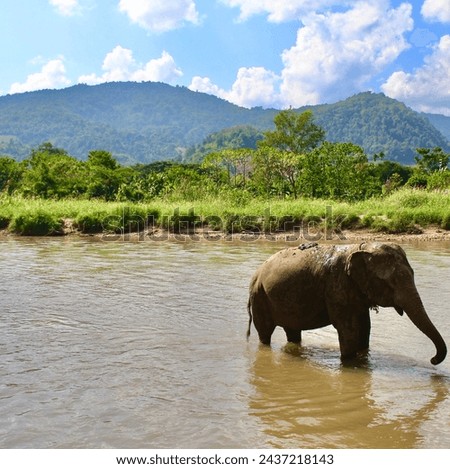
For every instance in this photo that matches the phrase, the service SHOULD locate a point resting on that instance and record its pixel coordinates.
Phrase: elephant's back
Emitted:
(289, 265)
(292, 283)
(292, 258)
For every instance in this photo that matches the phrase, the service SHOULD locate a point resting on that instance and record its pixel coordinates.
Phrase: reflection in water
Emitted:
(142, 345)
(305, 404)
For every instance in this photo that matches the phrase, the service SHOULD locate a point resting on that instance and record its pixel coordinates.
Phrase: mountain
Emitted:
(379, 124)
(442, 123)
(145, 122)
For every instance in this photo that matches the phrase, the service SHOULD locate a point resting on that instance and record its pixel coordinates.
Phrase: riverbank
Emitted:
(289, 238)
(406, 214)
(206, 235)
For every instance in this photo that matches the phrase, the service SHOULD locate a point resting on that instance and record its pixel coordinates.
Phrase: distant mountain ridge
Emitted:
(145, 122)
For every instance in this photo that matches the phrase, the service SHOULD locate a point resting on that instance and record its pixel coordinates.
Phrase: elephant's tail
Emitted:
(250, 317)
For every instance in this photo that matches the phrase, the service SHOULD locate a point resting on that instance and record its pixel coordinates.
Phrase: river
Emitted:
(142, 345)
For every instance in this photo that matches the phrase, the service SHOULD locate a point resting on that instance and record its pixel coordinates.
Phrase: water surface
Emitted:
(142, 345)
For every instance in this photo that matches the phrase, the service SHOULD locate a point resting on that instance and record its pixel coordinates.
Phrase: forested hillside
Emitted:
(442, 123)
(378, 124)
(145, 122)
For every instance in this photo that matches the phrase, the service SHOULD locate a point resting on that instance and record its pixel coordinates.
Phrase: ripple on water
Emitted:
(143, 345)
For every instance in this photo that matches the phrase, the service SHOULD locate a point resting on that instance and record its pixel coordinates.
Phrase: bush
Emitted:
(439, 180)
(117, 219)
(399, 223)
(445, 224)
(36, 223)
(4, 221)
(91, 222)
(413, 199)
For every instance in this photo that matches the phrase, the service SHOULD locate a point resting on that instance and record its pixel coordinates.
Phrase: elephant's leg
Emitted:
(348, 344)
(364, 331)
(293, 335)
(265, 330)
(354, 333)
(262, 319)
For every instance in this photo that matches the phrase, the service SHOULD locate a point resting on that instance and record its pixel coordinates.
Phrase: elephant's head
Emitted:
(384, 276)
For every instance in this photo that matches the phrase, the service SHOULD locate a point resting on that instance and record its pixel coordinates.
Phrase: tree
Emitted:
(266, 176)
(50, 172)
(234, 163)
(294, 132)
(338, 170)
(10, 174)
(103, 159)
(432, 159)
(106, 176)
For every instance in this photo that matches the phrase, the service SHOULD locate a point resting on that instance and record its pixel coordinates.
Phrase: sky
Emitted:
(269, 53)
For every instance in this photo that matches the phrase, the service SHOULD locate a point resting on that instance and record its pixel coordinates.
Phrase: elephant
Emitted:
(312, 286)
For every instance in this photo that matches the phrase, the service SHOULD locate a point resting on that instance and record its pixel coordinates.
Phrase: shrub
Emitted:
(36, 223)
(4, 221)
(116, 219)
(445, 223)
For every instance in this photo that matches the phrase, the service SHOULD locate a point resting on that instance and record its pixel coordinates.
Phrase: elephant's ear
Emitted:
(357, 268)
(369, 271)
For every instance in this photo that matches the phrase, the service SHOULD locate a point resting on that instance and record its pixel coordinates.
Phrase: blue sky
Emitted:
(270, 53)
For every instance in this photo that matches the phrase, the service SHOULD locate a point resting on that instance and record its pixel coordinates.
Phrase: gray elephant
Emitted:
(313, 286)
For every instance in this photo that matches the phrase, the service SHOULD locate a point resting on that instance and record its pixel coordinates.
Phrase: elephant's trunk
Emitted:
(415, 310)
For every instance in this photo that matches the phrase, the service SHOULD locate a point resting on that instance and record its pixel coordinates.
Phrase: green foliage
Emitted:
(144, 122)
(36, 223)
(100, 194)
(51, 172)
(405, 210)
(432, 159)
(106, 176)
(379, 124)
(440, 122)
(439, 180)
(232, 138)
(336, 170)
(10, 174)
(294, 133)
(116, 218)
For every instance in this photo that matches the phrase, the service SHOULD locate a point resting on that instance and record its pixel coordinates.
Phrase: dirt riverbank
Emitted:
(430, 234)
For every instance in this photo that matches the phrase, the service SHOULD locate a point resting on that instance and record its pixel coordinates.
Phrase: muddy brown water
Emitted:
(142, 345)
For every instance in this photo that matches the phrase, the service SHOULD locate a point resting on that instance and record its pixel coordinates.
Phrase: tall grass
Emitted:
(406, 210)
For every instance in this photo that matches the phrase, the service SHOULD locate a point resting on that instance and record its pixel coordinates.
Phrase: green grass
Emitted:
(406, 210)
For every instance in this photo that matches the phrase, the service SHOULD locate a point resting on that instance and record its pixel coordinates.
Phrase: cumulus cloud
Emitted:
(436, 10)
(205, 85)
(254, 86)
(51, 76)
(427, 88)
(336, 53)
(160, 15)
(281, 10)
(120, 65)
(65, 7)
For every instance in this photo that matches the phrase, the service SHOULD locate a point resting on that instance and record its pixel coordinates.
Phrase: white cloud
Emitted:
(163, 69)
(436, 10)
(281, 10)
(337, 53)
(120, 65)
(65, 7)
(254, 86)
(160, 15)
(205, 85)
(427, 88)
(51, 76)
